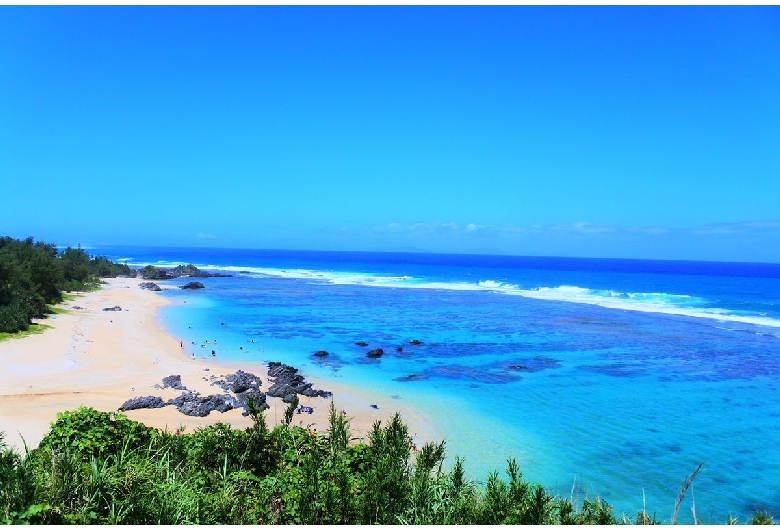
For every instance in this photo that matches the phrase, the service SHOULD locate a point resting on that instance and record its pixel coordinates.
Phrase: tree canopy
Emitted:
(34, 274)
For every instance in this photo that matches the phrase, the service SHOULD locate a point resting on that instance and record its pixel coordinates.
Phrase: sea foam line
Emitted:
(661, 303)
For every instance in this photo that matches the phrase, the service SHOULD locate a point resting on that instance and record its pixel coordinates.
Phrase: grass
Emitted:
(34, 329)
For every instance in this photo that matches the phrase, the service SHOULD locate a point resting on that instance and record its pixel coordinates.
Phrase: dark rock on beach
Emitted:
(375, 353)
(246, 387)
(238, 382)
(151, 286)
(321, 353)
(191, 404)
(361, 343)
(257, 398)
(287, 381)
(115, 308)
(240, 388)
(183, 398)
(193, 285)
(145, 402)
(173, 381)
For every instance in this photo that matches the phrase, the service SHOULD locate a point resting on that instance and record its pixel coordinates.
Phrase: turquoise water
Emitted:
(602, 377)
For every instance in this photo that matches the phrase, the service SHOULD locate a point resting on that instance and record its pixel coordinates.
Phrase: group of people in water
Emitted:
(207, 342)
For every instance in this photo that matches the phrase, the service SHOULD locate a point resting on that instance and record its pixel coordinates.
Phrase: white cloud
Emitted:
(204, 235)
(582, 227)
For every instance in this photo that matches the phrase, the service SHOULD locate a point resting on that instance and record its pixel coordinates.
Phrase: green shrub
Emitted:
(89, 432)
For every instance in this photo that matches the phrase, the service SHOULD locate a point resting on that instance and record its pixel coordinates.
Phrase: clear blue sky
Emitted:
(648, 132)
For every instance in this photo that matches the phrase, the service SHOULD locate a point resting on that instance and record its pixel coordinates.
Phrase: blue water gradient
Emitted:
(603, 377)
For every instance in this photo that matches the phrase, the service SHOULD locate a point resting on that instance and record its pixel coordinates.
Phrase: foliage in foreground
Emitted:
(102, 468)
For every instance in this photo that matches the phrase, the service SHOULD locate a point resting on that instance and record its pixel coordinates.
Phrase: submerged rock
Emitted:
(375, 353)
(519, 367)
(321, 353)
(411, 377)
(415, 342)
(361, 343)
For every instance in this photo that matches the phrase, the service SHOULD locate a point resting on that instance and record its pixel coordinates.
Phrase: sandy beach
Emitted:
(102, 358)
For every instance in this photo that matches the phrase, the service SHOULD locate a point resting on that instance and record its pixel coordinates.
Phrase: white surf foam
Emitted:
(653, 302)
(670, 304)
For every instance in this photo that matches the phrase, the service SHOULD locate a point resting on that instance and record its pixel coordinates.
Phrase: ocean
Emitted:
(602, 377)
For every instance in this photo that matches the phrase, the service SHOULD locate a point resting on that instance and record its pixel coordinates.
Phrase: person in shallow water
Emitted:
(213, 353)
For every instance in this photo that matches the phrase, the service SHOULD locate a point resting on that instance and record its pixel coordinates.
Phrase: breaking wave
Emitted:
(662, 303)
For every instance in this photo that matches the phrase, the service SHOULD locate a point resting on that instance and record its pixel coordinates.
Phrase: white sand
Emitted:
(101, 358)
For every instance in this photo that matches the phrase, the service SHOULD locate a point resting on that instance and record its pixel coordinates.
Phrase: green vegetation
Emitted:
(100, 468)
(34, 329)
(33, 275)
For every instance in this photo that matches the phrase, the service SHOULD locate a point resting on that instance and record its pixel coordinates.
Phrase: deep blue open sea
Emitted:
(602, 376)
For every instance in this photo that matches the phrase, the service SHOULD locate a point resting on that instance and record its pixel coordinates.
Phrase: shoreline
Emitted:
(100, 359)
